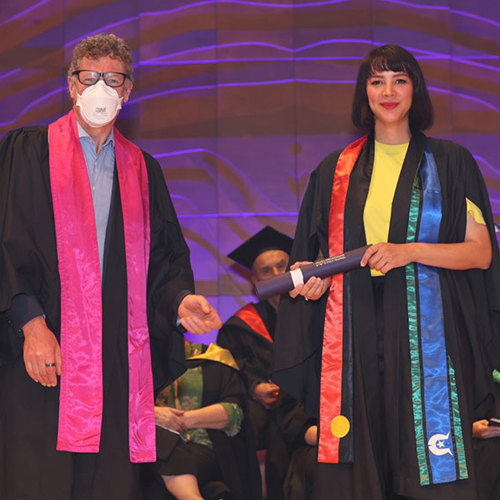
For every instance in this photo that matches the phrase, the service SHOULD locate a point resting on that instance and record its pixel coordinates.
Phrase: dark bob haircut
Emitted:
(392, 58)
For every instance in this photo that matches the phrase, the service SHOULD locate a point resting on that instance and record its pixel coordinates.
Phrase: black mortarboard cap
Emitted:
(266, 239)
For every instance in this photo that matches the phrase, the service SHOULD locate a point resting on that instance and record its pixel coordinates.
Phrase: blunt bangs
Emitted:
(383, 63)
(399, 60)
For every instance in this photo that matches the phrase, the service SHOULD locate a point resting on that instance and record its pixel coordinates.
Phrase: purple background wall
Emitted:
(240, 100)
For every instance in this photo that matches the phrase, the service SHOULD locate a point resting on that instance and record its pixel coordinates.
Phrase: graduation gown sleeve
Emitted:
(169, 269)
(170, 278)
(476, 291)
(299, 330)
(28, 255)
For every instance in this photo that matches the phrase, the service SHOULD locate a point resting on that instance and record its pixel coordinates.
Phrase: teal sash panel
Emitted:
(457, 424)
(414, 339)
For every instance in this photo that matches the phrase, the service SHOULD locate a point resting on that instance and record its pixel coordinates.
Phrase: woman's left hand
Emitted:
(386, 256)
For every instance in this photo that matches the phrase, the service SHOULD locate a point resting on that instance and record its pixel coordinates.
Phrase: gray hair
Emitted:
(96, 46)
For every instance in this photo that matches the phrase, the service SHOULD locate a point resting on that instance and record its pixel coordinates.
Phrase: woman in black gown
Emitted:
(391, 356)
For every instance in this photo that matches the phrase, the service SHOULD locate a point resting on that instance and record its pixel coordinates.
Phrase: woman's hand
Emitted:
(313, 289)
(386, 256)
(473, 253)
(170, 418)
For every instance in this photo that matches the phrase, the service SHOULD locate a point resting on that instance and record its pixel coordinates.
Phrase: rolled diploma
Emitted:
(321, 268)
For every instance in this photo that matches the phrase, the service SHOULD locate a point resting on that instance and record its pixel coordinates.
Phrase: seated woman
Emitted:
(203, 448)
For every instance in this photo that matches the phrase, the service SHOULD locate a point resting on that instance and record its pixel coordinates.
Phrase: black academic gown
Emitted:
(487, 458)
(253, 353)
(384, 440)
(28, 264)
(293, 422)
(242, 474)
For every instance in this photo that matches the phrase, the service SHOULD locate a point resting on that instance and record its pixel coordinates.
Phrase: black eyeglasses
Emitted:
(89, 77)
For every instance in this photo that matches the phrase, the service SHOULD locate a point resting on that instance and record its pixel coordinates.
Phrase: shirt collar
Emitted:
(82, 133)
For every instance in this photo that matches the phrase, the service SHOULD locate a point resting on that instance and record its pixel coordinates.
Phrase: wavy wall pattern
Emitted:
(239, 100)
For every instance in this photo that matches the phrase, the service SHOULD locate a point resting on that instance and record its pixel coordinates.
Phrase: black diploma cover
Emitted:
(322, 268)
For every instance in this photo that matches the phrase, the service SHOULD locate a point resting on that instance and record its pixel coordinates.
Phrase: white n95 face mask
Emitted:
(99, 104)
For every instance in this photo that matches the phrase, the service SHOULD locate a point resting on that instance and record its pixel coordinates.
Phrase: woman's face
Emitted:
(390, 96)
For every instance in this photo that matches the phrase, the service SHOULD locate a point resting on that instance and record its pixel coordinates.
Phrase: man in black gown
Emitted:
(134, 264)
(249, 336)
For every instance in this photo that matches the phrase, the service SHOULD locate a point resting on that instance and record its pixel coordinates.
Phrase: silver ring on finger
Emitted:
(50, 365)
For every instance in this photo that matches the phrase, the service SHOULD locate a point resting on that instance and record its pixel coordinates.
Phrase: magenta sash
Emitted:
(81, 395)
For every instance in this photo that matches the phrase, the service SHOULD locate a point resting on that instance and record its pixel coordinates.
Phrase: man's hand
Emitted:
(42, 354)
(481, 429)
(266, 393)
(170, 418)
(197, 315)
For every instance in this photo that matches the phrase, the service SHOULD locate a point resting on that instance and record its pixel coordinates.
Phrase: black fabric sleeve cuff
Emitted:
(254, 384)
(23, 309)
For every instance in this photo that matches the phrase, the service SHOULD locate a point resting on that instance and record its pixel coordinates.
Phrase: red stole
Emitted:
(81, 395)
(332, 424)
(250, 316)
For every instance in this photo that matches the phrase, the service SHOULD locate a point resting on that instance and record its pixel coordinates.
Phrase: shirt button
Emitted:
(93, 188)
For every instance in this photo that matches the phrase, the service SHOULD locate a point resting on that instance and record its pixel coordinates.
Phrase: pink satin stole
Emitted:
(81, 396)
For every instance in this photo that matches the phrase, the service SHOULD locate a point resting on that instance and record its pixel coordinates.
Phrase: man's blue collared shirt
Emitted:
(100, 168)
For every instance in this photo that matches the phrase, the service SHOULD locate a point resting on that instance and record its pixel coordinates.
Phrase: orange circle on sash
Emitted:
(340, 426)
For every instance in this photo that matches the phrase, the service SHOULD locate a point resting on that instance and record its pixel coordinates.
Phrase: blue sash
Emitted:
(438, 429)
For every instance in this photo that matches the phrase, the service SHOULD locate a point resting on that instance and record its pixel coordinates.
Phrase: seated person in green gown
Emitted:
(202, 444)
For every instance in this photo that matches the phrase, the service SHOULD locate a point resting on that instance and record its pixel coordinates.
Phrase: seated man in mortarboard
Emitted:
(248, 334)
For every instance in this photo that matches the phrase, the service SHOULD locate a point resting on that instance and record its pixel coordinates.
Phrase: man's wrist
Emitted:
(23, 309)
(177, 302)
(32, 326)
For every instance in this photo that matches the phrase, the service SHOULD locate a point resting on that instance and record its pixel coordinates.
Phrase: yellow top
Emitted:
(387, 166)
(475, 212)
(386, 169)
